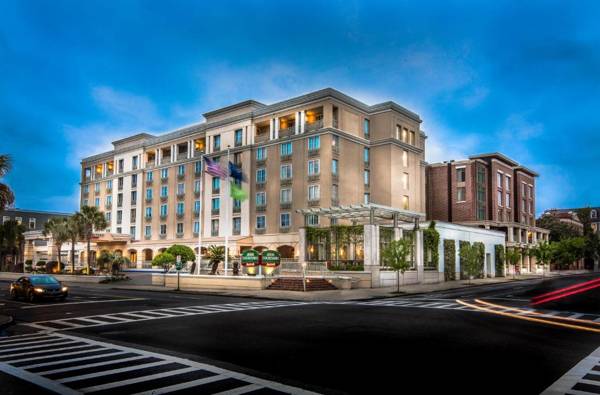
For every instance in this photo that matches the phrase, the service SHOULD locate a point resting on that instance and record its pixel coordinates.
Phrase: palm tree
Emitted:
(11, 240)
(90, 219)
(75, 232)
(58, 229)
(6, 195)
(215, 255)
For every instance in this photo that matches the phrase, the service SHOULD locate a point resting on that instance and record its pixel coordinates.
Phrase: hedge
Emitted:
(449, 260)
(499, 251)
(461, 246)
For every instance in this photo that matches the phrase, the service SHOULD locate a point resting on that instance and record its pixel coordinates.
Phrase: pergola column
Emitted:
(419, 255)
(302, 246)
(371, 260)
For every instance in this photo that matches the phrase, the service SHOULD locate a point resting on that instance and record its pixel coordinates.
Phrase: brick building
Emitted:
(490, 191)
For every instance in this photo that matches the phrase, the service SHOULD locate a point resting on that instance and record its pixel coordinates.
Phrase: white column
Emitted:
(302, 246)
(271, 129)
(419, 255)
(276, 127)
(302, 121)
(190, 150)
(297, 123)
(510, 234)
(156, 157)
(371, 253)
(252, 133)
(441, 260)
(457, 258)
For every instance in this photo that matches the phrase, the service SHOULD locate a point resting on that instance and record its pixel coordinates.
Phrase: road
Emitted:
(122, 341)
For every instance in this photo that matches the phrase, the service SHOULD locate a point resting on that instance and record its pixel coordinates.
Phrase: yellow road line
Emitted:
(521, 317)
(539, 314)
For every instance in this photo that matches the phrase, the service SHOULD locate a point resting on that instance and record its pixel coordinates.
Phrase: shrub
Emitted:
(51, 266)
(40, 267)
(499, 251)
(164, 260)
(449, 260)
(462, 248)
(186, 253)
(480, 257)
(28, 265)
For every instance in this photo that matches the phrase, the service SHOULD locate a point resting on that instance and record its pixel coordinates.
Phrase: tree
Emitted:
(6, 195)
(11, 240)
(471, 259)
(57, 228)
(567, 251)
(592, 241)
(215, 255)
(543, 255)
(75, 231)
(90, 219)
(164, 260)
(186, 253)
(558, 229)
(513, 256)
(397, 256)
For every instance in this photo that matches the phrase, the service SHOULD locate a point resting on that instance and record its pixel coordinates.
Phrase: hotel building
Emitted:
(321, 149)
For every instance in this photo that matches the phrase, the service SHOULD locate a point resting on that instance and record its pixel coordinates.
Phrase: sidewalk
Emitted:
(344, 295)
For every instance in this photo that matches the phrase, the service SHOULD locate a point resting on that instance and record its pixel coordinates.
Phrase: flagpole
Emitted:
(227, 216)
(200, 212)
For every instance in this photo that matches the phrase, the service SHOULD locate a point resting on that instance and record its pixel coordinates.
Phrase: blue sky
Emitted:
(522, 79)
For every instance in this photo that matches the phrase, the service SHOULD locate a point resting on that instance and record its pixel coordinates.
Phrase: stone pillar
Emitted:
(419, 255)
(276, 128)
(457, 258)
(302, 245)
(371, 260)
(271, 129)
(398, 233)
(297, 122)
(441, 262)
(510, 234)
(190, 150)
(302, 121)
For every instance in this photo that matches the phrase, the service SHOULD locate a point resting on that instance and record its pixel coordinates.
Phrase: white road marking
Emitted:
(38, 306)
(39, 380)
(189, 384)
(90, 365)
(566, 383)
(39, 365)
(240, 390)
(112, 371)
(63, 354)
(136, 380)
(45, 343)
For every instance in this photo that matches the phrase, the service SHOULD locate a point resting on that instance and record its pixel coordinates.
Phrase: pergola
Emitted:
(370, 213)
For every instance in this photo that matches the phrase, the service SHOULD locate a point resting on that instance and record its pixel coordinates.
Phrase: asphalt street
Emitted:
(135, 341)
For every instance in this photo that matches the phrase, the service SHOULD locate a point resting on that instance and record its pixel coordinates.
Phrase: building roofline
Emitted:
(232, 107)
(134, 137)
(36, 211)
(527, 170)
(496, 155)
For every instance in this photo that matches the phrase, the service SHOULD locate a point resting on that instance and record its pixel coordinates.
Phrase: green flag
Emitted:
(237, 192)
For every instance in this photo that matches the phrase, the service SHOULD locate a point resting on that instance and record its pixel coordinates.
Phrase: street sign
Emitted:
(250, 258)
(271, 258)
(178, 263)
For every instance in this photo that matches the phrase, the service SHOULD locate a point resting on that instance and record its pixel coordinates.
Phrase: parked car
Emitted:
(38, 286)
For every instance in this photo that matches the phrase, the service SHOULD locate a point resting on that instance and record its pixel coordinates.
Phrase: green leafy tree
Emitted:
(164, 260)
(543, 253)
(591, 251)
(397, 255)
(215, 255)
(567, 251)
(6, 195)
(513, 256)
(186, 253)
(58, 229)
(558, 230)
(11, 241)
(90, 219)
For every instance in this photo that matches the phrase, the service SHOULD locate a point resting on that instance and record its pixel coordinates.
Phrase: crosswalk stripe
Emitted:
(113, 371)
(45, 339)
(58, 342)
(240, 390)
(137, 380)
(54, 355)
(189, 384)
(89, 365)
(39, 365)
(20, 338)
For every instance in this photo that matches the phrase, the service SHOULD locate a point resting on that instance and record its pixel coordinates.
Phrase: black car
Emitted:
(35, 287)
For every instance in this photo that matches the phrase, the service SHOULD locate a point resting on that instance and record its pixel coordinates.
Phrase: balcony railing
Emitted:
(215, 211)
(259, 231)
(237, 209)
(182, 156)
(196, 193)
(314, 177)
(108, 206)
(285, 182)
(198, 153)
(180, 195)
(216, 191)
(148, 218)
(313, 152)
(285, 205)
(108, 190)
(314, 202)
(285, 157)
(287, 131)
(180, 176)
(165, 160)
(163, 216)
(261, 208)
(148, 199)
(180, 214)
(164, 198)
(308, 127)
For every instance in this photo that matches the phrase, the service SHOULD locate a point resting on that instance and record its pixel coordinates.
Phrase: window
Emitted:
(149, 194)
(334, 192)
(149, 176)
(405, 158)
(312, 219)
(215, 204)
(405, 203)
(314, 143)
(133, 197)
(313, 167)
(196, 227)
(461, 194)
(529, 207)
(499, 198)
(163, 229)
(180, 208)
(119, 217)
(179, 228)
(119, 230)
(5, 219)
(237, 225)
(367, 177)
(405, 135)
(261, 153)
(507, 200)
(285, 172)
(334, 167)
(148, 212)
(109, 184)
(314, 192)
(507, 183)
(198, 167)
(285, 149)
(216, 184)
(398, 129)
(164, 173)
(237, 205)
(261, 176)
(163, 210)
(119, 200)
(180, 189)
(261, 199)
(134, 162)
(238, 137)
(181, 170)
(108, 216)
(97, 202)
(216, 142)
(285, 195)
(367, 198)
(148, 231)
(164, 191)
(593, 214)
(132, 232)
(85, 202)
(461, 175)
(109, 200)
(197, 206)
(366, 128)
(260, 222)
(134, 180)
(284, 220)
(530, 191)
(405, 180)
(31, 223)
(120, 183)
(499, 180)
(413, 138)
(96, 187)
(197, 186)
(214, 227)
(121, 165)
(523, 189)
(366, 155)
(335, 143)
(86, 188)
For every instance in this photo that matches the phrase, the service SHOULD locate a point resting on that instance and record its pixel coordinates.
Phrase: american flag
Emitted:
(214, 169)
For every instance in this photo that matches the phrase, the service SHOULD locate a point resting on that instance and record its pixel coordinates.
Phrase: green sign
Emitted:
(178, 263)
(271, 258)
(250, 258)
